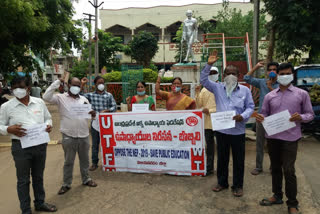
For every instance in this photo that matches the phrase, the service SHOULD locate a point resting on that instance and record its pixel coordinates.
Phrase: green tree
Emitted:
(144, 47)
(34, 26)
(297, 27)
(109, 46)
(79, 69)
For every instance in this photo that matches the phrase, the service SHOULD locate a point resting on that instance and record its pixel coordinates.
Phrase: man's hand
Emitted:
(213, 57)
(105, 111)
(93, 114)
(269, 85)
(296, 117)
(16, 130)
(84, 80)
(259, 65)
(205, 111)
(198, 88)
(49, 128)
(238, 118)
(259, 118)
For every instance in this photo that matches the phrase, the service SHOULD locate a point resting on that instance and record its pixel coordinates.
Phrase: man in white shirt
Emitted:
(75, 131)
(15, 115)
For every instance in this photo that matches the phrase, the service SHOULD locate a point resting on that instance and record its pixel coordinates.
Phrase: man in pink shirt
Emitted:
(283, 146)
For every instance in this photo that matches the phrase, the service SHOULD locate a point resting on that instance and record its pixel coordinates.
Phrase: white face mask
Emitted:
(20, 93)
(74, 90)
(285, 79)
(230, 82)
(100, 87)
(214, 77)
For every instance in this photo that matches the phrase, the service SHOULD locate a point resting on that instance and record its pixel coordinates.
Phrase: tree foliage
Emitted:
(34, 26)
(109, 46)
(297, 27)
(144, 47)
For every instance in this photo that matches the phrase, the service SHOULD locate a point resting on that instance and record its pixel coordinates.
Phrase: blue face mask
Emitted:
(272, 75)
(141, 93)
(178, 89)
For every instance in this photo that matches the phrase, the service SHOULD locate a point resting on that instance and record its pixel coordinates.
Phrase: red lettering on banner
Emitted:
(197, 160)
(107, 142)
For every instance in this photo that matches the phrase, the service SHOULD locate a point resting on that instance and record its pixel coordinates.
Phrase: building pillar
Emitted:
(132, 33)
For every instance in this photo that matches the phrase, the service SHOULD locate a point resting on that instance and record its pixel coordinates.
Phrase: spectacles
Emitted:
(273, 69)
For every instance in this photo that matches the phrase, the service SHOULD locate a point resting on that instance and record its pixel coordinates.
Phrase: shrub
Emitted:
(166, 79)
(114, 76)
(149, 75)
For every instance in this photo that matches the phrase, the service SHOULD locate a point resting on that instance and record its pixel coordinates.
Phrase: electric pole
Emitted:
(96, 51)
(90, 49)
(256, 14)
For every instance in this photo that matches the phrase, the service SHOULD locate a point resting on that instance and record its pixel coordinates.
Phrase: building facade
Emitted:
(163, 22)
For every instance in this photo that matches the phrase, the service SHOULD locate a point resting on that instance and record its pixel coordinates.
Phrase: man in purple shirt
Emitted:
(283, 146)
(230, 96)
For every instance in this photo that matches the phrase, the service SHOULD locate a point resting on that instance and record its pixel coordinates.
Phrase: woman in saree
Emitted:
(141, 97)
(175, 100)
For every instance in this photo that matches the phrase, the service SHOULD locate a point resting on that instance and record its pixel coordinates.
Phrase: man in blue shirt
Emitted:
(101, 101)
(230, 96)
(265, 86)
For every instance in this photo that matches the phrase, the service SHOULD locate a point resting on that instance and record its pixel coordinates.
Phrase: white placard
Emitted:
(223, 120)
(81, 110)
(36, 135)
(140, 107)
(95, 123)
(277, 123)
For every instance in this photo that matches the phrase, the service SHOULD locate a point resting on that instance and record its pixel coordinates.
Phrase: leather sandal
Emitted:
(218, 188)
(63, 190)
(91, 183)
(268, 202)
(45, 207)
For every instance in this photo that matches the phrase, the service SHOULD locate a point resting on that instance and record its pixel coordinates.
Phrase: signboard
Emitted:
(170, 142)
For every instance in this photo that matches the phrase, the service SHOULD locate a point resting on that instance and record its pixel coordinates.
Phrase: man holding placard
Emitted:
(282, 112)
(234, 107)
(28, 121)
(74, 111)
(102, 101)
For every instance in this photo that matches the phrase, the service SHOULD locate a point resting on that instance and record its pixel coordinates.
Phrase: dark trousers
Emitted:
(283, 156)
(29, 160)
(237, 144)
(95, 146)
(209, 135)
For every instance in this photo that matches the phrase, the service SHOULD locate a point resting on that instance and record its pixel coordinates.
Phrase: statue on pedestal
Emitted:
(190, 33)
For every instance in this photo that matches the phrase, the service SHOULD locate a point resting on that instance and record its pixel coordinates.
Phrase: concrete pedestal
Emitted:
(188, 72)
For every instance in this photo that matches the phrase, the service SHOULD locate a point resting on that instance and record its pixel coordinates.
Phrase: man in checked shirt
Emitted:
(101, 101)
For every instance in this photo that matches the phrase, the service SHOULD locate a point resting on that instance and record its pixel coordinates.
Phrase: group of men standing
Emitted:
(24, 110)
(277, 94)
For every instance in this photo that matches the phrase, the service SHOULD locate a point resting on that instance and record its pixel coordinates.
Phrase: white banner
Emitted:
(169, 142)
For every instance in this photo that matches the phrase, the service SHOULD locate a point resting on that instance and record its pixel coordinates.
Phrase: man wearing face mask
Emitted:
(206, 100)
(101, 101)
(265, 86)
(283, 146)
(15, 115)
(230, 96)
(75, 132)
